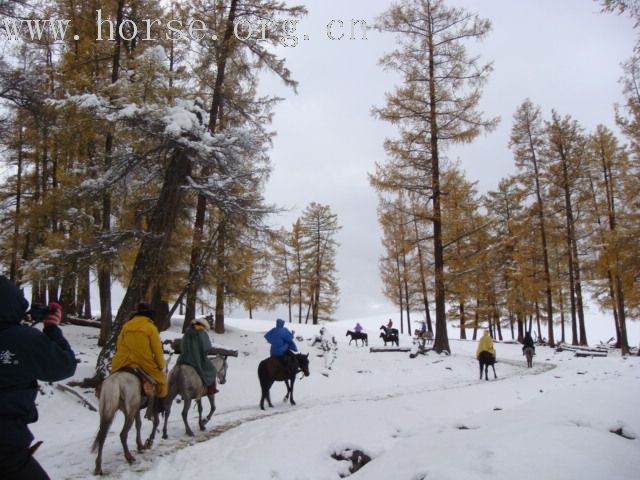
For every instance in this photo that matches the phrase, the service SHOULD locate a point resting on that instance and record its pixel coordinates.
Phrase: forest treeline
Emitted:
(145, 162)
(524, 257)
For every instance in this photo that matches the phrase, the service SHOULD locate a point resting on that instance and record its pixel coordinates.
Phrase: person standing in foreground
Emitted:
(26, 356)
(282, 345)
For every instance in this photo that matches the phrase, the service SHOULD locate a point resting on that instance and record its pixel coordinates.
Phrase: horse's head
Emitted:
(347, 334)
(303, 363)
(220, 364)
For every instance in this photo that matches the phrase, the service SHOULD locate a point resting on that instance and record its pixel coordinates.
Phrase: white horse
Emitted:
(185, 381)
(122, 391)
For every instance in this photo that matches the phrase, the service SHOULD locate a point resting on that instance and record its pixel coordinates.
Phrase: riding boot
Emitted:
(292, 364)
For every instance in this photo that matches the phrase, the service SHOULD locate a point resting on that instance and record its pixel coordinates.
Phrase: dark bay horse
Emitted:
(358, 336)
(272, 369)
(122, 391)
(185, 381)
(486, 359)
(389, 335)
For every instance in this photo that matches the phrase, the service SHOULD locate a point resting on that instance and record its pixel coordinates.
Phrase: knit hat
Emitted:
(200, 321)
(144, 309)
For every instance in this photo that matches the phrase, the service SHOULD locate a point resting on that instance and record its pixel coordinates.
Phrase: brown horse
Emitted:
(272, 369)
(486, 359)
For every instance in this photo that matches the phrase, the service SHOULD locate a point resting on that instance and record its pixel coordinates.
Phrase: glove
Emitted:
(54, 316)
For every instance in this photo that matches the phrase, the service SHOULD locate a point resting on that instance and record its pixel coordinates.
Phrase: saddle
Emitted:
(147, 382)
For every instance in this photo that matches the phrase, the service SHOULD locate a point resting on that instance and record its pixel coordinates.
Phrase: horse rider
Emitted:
(528, 342)
(390, 324)
(282, 345)
(26, 356)
(486, 345)
(357, 328)
(139, 346)
(194, 348)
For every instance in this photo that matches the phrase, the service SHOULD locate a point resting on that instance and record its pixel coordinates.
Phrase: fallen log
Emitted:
(390, 349)
(586, 353)
(176, 342)
(82, 322)
(84, 400)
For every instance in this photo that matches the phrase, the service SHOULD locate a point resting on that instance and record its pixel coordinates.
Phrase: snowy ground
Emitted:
(423, 418)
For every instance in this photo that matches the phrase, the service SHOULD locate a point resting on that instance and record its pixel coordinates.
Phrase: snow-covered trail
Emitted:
(249, 416)
(413, 417)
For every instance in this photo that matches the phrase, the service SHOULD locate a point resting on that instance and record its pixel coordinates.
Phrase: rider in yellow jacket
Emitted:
(139, 346)
(486, 345)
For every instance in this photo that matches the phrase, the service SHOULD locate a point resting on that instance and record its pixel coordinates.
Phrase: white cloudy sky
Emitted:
(564, 55)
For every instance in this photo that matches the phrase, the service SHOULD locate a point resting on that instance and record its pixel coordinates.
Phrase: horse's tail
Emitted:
(109, 402)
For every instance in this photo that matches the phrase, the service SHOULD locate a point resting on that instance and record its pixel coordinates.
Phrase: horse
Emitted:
(273, 369)
(390, 337)
(426, 335)
(389, 331)
(358, 336)
(528, 353)
(185, 381)
(122, 391)
(484, 360)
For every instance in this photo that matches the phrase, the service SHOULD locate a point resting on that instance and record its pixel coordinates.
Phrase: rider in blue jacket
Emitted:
(282, 344)
(26, 355)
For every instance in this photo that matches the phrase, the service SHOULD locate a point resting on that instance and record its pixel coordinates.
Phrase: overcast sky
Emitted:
(564, 55)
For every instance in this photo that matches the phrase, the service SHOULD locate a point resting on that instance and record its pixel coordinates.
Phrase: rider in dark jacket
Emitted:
(527, 341)
(26, 355)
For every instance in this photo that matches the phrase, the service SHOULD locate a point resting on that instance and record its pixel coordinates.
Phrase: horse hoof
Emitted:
(165, 436)
(130, 459)
(190, 433)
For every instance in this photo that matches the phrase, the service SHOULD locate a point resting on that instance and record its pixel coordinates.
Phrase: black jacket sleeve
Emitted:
(54, 360)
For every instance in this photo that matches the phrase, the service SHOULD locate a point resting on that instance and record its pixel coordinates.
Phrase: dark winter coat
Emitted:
(26, 356)
(281, 339)
(527, 341)
(194, 348)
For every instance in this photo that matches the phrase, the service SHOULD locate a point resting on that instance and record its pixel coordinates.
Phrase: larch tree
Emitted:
(319, 227)
(527, 142)
(566, 152)
(437, 103)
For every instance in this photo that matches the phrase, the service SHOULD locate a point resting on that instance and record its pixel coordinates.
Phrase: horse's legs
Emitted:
(292, 379)
(167, 411)
(138, 421)
(128, 422)
(266, 395)
(286, 397)
(185, 412)
(494, 370)
(212, 404)
(200, 422)
(156, 421)
(480, 363)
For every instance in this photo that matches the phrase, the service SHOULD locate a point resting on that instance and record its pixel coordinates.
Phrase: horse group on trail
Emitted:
(389, 334)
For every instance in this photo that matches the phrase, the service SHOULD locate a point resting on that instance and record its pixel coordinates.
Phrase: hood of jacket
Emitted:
(14, 305)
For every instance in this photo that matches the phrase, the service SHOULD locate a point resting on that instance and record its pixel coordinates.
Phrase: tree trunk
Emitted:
(148, 265)
(198, 227)
(441, 341)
